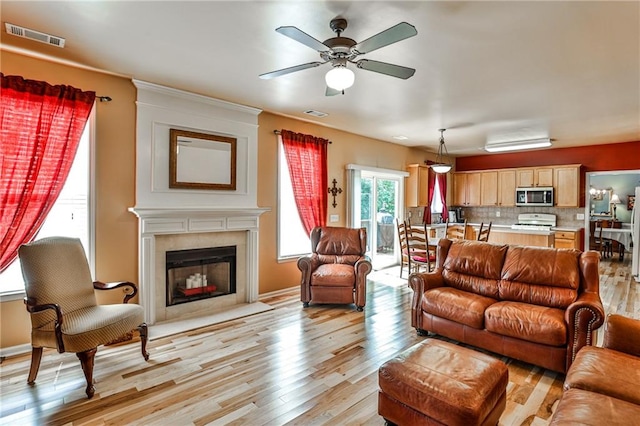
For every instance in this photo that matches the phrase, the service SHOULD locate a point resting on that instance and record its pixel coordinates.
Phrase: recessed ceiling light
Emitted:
(316, 113)
(400, 138)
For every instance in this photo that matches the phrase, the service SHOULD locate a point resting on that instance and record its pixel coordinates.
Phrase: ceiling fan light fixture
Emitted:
(517, 145)
(340, 78)
(443, 162)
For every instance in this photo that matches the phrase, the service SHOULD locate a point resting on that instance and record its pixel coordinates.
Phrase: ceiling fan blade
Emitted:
(278, 73)
(385, 68)
(332, 92)
(389, 36)
(302, 37)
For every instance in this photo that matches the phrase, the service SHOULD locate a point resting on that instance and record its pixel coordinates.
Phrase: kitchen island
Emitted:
(503, 234)
(568, 237)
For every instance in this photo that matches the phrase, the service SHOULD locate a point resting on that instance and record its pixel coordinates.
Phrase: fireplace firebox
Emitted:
(198, 274)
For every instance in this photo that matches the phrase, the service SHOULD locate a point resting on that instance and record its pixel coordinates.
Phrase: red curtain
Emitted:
(431, 185)
(442, 183)
(307, 159)
(441, 178)
(40, 127)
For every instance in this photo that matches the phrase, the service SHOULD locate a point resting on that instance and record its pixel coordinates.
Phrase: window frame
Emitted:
(10, 295)
(284, 168)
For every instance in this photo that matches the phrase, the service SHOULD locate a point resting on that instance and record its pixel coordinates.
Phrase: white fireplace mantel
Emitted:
(192, 220)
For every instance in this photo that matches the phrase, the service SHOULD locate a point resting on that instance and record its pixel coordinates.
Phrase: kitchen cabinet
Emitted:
(567, 239)
(531, 177)
(506, 188)
(489, 188)
(417, 185)
(466, 189)
(567, 188)
(498, 188)
(508, 236)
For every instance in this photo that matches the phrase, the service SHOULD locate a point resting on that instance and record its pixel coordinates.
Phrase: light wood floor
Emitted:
(287, 366)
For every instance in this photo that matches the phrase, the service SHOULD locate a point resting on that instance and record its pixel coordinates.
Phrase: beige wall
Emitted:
(346, 148)
(116, 228)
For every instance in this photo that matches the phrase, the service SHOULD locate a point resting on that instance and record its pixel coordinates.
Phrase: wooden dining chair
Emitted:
(456, 231)
(596, 242)
(404, 246)
(614, 246)
(420, 255)
(483, 233)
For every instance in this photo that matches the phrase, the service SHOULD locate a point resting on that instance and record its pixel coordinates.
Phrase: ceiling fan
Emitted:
(342, 50)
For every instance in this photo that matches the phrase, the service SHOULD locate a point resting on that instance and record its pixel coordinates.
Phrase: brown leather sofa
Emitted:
(337, 269)
(536, 304)
(602, 386)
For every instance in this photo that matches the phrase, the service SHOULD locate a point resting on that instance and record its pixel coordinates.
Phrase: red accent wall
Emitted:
(594, 158)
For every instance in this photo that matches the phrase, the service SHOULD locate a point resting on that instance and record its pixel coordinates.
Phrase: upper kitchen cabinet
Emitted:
(531, 177)
(567, 188)
(498, 188)
(489, 188)
(507, 188)
(417, 185)
(466, 189)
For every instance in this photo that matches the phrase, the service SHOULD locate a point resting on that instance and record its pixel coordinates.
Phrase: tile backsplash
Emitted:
(565, 217)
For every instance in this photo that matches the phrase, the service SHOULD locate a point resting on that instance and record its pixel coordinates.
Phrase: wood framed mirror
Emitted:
(201, 161)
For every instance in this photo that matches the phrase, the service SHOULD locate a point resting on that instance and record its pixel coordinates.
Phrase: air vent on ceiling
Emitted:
(316, 113)
(34, 35)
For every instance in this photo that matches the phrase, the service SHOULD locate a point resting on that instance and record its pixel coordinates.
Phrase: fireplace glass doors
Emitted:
(200, 274)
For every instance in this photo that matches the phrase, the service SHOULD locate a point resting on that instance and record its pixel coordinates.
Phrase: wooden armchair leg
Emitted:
(36, 356)
(144, 336)
(86, 361)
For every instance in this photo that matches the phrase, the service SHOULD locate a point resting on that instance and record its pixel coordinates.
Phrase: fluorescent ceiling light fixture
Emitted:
(340, 78)
(517, 145)
(400, 138)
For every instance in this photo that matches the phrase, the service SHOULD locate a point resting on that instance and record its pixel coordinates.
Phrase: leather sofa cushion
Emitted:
(474, 266)
(533, 323)
(540, 276)
(456, 305)
(447, 383)
(334, 275)
(607, 372)
(579, 407)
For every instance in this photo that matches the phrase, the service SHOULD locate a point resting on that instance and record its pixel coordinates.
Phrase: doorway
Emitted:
(374, 204)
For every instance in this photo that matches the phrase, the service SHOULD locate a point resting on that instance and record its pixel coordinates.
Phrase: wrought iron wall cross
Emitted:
(334, 191)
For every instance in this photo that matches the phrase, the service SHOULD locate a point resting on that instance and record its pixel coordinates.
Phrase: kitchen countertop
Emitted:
(507, 228)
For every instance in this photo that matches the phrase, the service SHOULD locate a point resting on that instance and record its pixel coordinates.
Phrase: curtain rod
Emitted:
(278, 132)
(104, 98)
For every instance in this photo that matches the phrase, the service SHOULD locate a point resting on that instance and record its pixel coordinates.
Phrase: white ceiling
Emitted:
(565, 70)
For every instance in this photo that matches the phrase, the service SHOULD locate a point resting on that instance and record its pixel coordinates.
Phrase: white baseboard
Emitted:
(15, 350)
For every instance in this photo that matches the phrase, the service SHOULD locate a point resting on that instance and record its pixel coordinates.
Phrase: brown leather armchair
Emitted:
(336, 271)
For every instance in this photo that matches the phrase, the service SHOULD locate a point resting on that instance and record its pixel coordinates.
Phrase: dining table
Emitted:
(621, 235)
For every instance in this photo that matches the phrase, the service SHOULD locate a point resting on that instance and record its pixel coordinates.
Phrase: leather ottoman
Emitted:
(439, 383)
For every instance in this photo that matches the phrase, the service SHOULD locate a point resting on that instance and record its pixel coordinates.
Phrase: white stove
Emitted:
(535, 221)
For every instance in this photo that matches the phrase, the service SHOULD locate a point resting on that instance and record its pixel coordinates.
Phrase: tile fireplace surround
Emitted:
(180, 218)
(162, 230)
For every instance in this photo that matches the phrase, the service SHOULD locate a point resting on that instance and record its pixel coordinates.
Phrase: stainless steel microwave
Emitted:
(540, 196)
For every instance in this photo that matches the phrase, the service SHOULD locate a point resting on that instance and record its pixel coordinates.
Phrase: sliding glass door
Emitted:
(375, 204)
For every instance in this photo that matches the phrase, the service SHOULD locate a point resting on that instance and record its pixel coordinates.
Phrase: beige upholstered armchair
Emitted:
(336, 271)
(63, 308)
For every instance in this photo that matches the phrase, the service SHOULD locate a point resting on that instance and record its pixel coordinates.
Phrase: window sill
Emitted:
(8, 296)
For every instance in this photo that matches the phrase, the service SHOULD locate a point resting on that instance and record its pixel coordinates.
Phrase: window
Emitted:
(292, 239)
(70, 215)
(436, 201)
